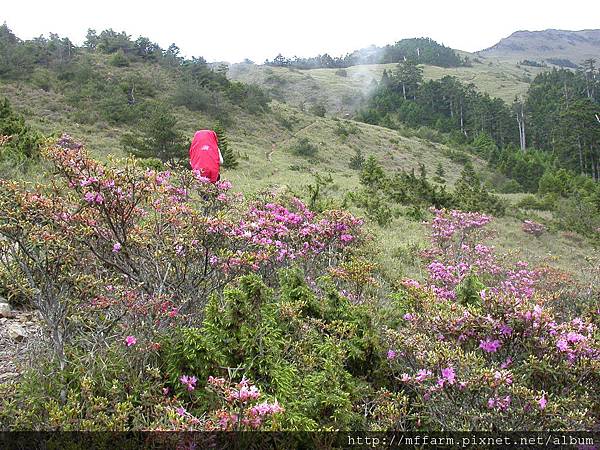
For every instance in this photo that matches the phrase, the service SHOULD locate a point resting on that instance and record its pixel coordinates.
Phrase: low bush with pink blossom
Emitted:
(171, 303)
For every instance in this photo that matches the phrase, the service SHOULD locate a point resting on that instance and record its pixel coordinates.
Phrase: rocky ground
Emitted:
(19, 332)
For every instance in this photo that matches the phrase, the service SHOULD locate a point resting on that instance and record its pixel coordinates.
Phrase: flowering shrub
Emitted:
(154, 284)
(506, 361)
(116, 257)
(489, 368)
(241, 409)
(156, 244)
(357, 274)
(458, 252)
(533, 228)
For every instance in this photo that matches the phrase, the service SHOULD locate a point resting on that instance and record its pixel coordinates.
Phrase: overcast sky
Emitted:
(231, 30)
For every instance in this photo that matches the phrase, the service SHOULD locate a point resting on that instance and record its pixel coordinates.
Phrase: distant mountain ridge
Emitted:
(547, 45)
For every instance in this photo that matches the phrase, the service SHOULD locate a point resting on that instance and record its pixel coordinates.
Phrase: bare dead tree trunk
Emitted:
(580, 155)
(404, 90)
(521, 123)
(131, 98)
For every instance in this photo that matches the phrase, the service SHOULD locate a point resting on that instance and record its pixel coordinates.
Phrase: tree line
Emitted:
(547, 143)
(418, 50)
(56, 64)
(559, 116)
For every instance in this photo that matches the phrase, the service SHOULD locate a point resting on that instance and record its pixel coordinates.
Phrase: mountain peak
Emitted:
(546, 45)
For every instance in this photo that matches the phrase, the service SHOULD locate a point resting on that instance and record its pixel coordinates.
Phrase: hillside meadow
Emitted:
(340, 276)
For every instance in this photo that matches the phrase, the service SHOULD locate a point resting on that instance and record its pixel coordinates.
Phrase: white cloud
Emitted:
(236, 29)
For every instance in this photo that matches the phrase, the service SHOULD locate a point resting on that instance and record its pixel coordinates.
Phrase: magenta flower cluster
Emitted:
(457, 252)
(240, 410)
(189, 382)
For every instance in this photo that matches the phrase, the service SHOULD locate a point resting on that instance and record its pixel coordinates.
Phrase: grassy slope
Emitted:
(342, 94)
(264, 142)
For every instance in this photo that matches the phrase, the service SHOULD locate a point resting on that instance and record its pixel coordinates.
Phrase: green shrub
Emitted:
(471, 195)
(193, 97)
(545, 203)
(372, 174)
(318, 109)
(99, 391)
(158, 137)
(308, 351)
(303, 147)
(319, 193)
(19, 143)
(357, 160)
(119, 59)
(511, 187)
(229, 156)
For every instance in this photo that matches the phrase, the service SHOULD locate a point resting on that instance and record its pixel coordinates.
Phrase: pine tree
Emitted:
(372, 174)
(471, 195)
(357, 161)
(229, 157)
(439, 173)
(159, 138)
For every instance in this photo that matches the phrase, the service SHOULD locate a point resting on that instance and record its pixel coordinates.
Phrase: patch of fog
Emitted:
(364, 77)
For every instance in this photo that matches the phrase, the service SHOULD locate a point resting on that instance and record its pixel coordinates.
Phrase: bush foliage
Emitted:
(172, 304)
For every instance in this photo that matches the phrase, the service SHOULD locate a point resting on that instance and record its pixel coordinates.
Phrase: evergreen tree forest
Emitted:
(557, 125)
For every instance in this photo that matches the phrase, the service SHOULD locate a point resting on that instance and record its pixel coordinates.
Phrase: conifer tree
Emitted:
(229, 157)
(372, 174)
(439, 173)
(159, 138)
(357, 161)
(471, 195)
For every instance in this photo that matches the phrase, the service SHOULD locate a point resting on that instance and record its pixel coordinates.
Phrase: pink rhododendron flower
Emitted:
(248, 393)
(506, 363)
(130, 340)
(448, 375)
(422, 375)
(409, 283)
(562, 345)
(543, 401)
(490, 346)
(116, 247)
(189, 382)
(224, 185)
(391, 354)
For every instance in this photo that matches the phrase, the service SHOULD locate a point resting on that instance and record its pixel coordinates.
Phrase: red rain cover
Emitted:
(204, 154)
